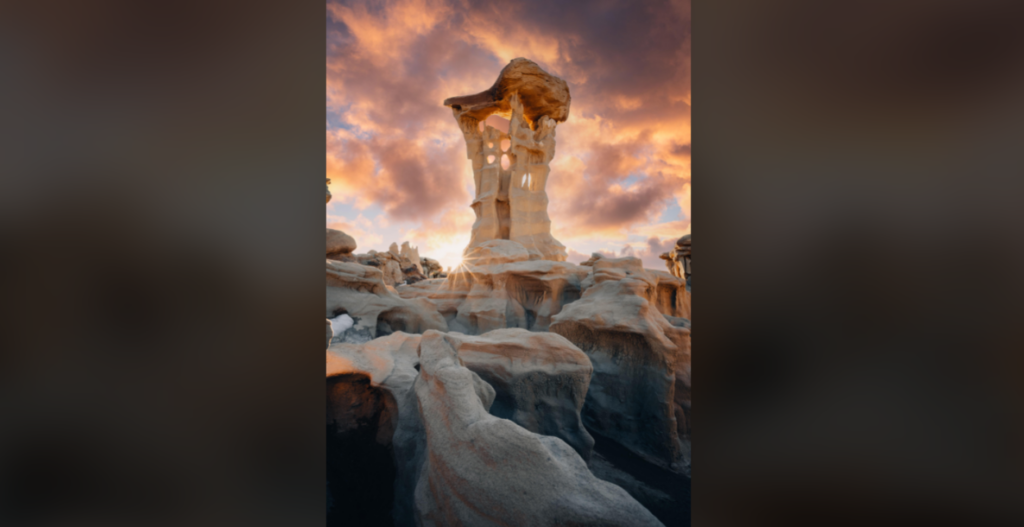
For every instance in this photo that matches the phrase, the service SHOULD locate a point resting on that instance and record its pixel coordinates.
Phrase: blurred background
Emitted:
(859, 174)
(160, 175)
(858, 356)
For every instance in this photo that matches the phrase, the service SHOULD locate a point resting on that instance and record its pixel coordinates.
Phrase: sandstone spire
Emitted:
(512, 203)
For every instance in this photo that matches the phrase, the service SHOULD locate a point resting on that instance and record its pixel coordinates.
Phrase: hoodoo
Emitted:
(511, 168)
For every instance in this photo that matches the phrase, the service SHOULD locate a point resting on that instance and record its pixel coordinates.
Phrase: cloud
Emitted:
(623, 157)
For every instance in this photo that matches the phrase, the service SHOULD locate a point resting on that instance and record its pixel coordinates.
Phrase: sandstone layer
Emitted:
(639, 393)
(360, 292)
(485, 471)
(510, 169)
(499, 286)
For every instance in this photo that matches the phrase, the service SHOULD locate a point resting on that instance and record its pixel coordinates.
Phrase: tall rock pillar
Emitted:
(512, 203)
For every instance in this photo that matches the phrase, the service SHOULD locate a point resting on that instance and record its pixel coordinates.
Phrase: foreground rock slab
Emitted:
(485, 471)
(540, 380)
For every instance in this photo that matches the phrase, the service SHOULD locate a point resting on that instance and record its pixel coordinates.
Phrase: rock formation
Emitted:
(639, 394)
(540, 380)
(537, 380)
(339, 245)
(499, 286)
(678, 260)
(397, 266)
(510, 170)
(432, 268)
(487, 471)
(359, 291)
(412, 255)
(518, 388)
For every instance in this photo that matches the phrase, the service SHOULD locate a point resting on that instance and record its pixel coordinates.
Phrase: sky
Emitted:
(620, 178)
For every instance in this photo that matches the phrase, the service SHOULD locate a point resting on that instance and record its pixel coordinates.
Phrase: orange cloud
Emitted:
(623, 157)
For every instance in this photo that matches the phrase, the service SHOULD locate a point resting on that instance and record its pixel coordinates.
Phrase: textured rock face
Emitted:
(432, 268)
(540, 380)
(510, 170)
(390, 364)
(640, 387)
(542, 93)
(412, 255)
(339, 245)
(360, 292)
(499, 287)
(486, 471)
(678, 260)
(398, 266)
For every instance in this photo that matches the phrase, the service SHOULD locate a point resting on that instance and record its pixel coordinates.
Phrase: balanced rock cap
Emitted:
(540, 92)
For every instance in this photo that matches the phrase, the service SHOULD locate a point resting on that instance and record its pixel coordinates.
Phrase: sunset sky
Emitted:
(620, 179)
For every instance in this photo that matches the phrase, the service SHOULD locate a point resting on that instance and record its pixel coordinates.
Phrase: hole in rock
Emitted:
(505, 162)
(360, 468)
(481, 126)
(505, 144)
(490, 160)
(490, 145)
(384, 328)
(498, 123)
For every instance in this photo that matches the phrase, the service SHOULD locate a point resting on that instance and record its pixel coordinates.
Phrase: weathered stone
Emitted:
(639, 394)
(360, 292)
(390, 364)
(339, 244)
(485, 471)
(499, 287)
(540, 380)
(412, 255)
(511, 200)
(678, 260)
(542, 93)
(432, 268)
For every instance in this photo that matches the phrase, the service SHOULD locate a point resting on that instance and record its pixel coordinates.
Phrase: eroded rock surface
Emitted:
(499, 286)
(485, 471)
(339, 245)
(639, 394)
(542, 93)
(360, 292)
(510, 170)
(389, 363)
(678, 259)
(540, 380)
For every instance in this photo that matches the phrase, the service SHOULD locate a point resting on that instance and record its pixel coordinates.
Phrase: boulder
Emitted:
(431, 268)
(541, 93)
(339, 244)
(485, 471)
